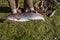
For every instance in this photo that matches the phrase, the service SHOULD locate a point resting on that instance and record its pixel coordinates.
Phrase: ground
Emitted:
(32, 30)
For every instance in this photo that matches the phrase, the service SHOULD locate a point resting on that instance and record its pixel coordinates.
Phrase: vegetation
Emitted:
(32, 30)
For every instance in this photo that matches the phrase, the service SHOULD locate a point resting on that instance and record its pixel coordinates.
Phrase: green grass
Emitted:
(32, 30)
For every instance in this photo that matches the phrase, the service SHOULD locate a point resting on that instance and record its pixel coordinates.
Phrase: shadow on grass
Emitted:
(8, 9)
(5, 9)
(2, 20)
